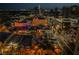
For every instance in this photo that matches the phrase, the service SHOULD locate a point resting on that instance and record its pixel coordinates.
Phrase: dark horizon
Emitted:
(32, 5)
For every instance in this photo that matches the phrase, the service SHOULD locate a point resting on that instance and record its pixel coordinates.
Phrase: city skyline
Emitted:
(32, 5)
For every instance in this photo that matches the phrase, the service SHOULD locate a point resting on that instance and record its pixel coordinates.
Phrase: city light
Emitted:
(39, 31)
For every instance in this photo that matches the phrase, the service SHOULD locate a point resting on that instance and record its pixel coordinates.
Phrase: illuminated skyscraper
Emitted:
(39, 9)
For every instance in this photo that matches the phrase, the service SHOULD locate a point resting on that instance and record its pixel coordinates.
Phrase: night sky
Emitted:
(32, 5)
